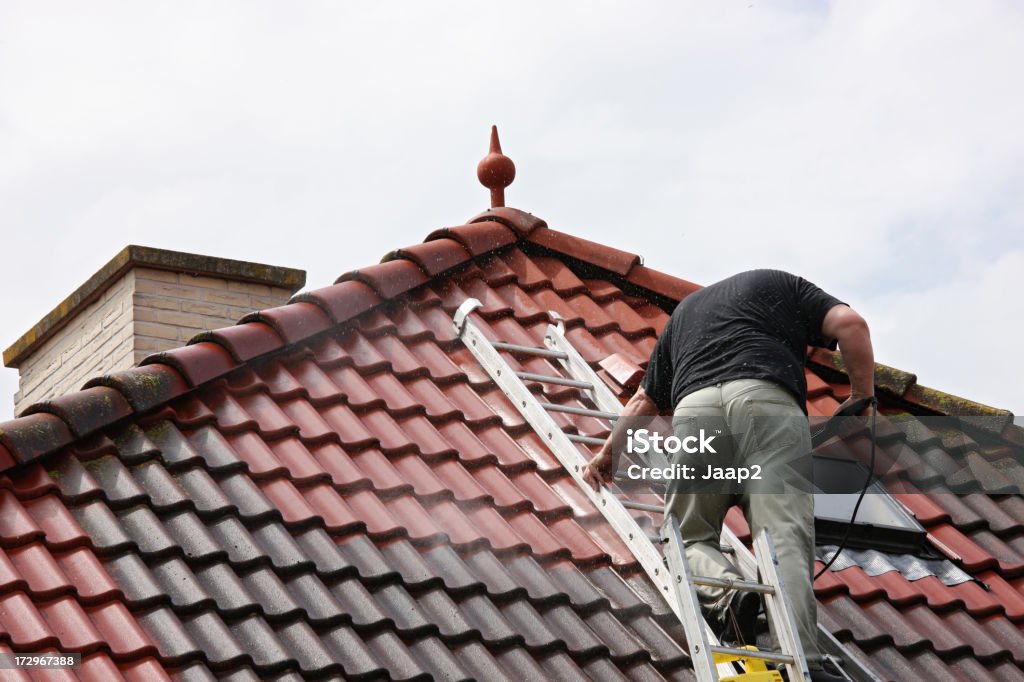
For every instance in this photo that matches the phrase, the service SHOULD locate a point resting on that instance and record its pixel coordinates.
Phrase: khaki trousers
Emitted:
(766, 427)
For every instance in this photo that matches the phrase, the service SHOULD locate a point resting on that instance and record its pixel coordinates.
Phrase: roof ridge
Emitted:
(903, 386)
(49, 425)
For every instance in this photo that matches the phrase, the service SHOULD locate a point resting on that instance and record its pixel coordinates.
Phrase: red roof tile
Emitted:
(334, 486)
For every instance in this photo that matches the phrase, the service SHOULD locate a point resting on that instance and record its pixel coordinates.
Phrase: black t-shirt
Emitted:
(754, 325)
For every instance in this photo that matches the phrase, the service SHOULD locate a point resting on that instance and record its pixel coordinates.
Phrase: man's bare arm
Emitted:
(845, 325)
(602, 465)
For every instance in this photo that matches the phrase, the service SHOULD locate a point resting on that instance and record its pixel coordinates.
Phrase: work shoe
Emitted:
(739, 624)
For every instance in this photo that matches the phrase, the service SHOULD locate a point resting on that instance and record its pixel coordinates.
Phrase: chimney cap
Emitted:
(133, 256)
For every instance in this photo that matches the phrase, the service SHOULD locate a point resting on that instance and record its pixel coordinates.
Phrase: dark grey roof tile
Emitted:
(257, 639)
(133, 445)
(292, 676)
(175, 450)
(204, 492)
(103, 527)
(396, 602)
(262, 586)
(619, 640)
(584, 597)
(602, 669)
(570, 629)
(214, 449)
(245, 674)
(559, 666)
(407, 559)
(146, 531)
(213, 637)
(446, 563)
(358, 603)
(319, 547)
(435, 658)
(621, 594)
(180, 584)
(392, 653)
(482, 665)
(252, 504)
(230, 592)
(664, 648)
(119, 486)
(492, 572)
(347, 647)
(163, 492)
(277, 543)
(483, 616)
(645, 672)
(74, 480)
(529, 624)
(359, 551)
(313, 597)
(198, 672)
(310, 653)
(173, 641)
(235, 539)
(439, 609)
(135, 580)
(537, 580)
(193, 537)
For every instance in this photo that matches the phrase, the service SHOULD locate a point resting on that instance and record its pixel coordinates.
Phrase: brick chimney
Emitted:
(143, 301)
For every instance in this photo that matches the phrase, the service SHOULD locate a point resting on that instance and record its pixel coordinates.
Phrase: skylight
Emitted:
(882, 523)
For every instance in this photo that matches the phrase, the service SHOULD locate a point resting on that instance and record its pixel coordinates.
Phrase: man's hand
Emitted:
(599, 469)
(602, 466)
(854, 398)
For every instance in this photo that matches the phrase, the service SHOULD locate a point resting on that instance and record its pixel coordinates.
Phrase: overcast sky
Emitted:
(874, 147)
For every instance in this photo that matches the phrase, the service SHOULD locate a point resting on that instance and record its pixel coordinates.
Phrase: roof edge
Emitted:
(133, 256)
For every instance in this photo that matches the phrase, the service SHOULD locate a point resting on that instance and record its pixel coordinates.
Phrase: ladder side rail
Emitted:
(780, 614)
(687, 603)
(578, 368)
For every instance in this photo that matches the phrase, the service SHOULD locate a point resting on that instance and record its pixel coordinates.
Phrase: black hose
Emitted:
(860, 498)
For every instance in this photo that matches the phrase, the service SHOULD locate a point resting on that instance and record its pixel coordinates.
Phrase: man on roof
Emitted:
(730, 362)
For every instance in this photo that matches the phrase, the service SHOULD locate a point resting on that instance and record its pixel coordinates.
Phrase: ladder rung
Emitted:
(529, 350)
(587, 440)
(644, 506)
(775, 656)
(561, 381)
(726, 583)
(582, 411)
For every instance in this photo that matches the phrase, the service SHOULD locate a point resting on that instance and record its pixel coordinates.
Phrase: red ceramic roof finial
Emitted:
(496, 171)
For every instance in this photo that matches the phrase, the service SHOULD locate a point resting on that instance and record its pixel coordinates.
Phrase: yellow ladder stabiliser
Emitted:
(757, 671)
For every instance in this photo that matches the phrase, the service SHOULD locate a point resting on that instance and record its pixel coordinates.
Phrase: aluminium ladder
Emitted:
(675, 582)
